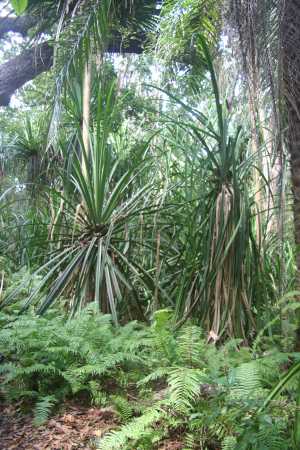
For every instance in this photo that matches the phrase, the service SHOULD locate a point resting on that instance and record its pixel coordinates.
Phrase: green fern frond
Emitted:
(184, 385)
(108, 363)
(6, 368)
(98, 397)
(163, 340)
(189, 441)
(43, 409)
(131, 432)
(269, 366)
(247, 381)
(20, 372)
(270, 436)
(158, 374)
(274, 442)
(190, 346)
(123, 408)
(229, 443)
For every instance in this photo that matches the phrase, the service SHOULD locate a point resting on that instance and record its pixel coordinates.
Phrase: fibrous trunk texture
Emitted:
(290, 35)
(86, 115)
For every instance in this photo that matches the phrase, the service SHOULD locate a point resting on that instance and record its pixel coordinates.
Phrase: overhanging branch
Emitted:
(25, 67)
(29, 64)
(16, 25)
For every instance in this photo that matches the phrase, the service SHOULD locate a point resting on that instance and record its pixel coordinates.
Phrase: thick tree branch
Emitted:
(16, 24)
(29, 64)
(26, 66)
(17, 71)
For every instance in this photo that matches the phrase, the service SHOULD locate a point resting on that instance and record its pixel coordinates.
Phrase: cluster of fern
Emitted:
(158, 381)
(211, 395)
(48, 359)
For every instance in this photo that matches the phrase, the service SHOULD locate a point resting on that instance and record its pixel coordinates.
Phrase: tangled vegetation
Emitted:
(172, 380)
(147, 256)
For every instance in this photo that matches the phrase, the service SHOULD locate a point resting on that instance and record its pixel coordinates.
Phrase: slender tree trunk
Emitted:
(86, 101)
(86, 112)
(255, 146)
(290, 37)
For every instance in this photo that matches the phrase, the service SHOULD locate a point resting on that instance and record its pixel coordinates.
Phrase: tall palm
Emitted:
(290, 39)
(278, 23)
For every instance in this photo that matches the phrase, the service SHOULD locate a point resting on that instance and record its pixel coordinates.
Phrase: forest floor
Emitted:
(75, 428)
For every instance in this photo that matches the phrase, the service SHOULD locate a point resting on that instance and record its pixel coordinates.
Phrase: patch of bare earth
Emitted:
(172, 445)
(76, 428)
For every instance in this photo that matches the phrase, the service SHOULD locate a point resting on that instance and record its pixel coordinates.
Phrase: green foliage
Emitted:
(229, 443)
(184, 385)
(89, 239)
(51, 356)
(163, 217)
(214, 396)
(42, 409)
(247, 381)
(19, 6)
(180, 21)
(214, 403)
(217, 255)
(137, 429)
(155, 217)
(123, 408)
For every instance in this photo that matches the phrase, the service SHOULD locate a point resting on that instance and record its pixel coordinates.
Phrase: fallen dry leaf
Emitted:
(73, 430)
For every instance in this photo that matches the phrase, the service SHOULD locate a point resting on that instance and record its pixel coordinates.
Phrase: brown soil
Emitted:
(75, 429)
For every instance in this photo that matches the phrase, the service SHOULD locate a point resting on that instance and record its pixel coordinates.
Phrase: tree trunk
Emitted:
(86, 102)
(290, 35)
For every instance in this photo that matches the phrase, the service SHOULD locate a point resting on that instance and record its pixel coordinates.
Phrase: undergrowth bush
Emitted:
(159, 382)
(49, 355)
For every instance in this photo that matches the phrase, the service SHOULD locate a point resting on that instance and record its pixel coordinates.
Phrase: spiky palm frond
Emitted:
(180, 21)
(91, 240)
(84, 32)
(223, 237)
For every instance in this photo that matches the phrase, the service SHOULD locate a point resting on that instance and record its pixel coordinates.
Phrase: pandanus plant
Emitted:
(95, 211)
(92, 231)
(217, 253)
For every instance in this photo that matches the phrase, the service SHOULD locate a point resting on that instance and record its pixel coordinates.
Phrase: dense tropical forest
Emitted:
(150, 224)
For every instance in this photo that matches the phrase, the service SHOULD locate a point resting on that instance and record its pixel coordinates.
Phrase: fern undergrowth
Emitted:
(159, 383)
